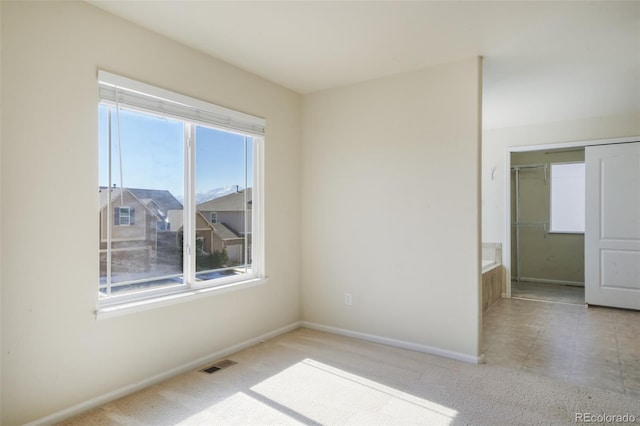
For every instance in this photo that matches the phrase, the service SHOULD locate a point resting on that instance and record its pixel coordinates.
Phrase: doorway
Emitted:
(622, 275)
(547, 224)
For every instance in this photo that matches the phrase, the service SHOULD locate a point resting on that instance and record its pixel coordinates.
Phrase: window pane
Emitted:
(142, 183)
(223, 186)
(567, 197)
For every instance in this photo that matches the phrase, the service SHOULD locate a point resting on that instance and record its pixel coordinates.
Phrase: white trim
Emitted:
(115, 88)
(167, 374)
(126, 248)
(506, 253)
(418, 347)
(189, 214)
(158, 100)
(140, 305)
(547, 281)
(506, 244)
(257, 214)
(573, 144)
(546, 301)
(104, 240)
(566, 232)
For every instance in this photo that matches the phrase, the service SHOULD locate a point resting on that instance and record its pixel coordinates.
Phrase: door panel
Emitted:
(620, 193)
(612, 236)
(620, 269)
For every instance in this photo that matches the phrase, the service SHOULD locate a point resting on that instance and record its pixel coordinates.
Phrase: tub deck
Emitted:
(488, 265)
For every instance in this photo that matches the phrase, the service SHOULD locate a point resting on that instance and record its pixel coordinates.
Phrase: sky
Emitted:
(153, 157)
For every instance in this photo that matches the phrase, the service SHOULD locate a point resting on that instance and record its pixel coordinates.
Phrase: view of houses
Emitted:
(146, 234)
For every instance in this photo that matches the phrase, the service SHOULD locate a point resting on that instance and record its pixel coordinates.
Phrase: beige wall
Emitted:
(494, 151)
(390, 191)
(55, 353)
(390, 172)
(552, 256)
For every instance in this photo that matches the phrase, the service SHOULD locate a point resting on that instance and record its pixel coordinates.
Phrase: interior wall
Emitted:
(543, 256)
(494, 157)
(390, 172)
(55, 353)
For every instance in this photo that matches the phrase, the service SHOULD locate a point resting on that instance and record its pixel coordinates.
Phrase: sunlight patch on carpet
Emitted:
(319, 391)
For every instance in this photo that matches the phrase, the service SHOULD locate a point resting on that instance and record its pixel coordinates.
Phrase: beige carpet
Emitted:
(310, 377)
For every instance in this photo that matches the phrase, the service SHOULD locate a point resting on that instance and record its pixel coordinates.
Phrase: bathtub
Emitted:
(488, 265)
(492, 286)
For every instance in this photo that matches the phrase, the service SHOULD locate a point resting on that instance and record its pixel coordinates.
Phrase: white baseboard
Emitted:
(548, 281)
(134, 387)
(394, 342)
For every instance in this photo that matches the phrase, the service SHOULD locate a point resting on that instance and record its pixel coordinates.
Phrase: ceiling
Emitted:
(543, 61)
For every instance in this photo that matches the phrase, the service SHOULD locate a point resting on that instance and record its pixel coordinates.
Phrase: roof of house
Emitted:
(176, 219)
(115, 196)
(152, 205)
(233, 202)
(223, 232)
(162, 197)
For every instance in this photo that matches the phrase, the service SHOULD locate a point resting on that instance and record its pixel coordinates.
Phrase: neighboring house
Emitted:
(228, 240)
(163, 200)
(141, 234)
(211, 237)
(133, 231)
(146, 232)
(230, 216)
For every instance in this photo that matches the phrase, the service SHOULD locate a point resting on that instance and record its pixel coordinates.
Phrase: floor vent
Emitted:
(220, 365)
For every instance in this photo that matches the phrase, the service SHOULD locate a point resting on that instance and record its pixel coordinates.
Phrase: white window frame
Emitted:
(213, 216)
(560, 203)
(122, 92)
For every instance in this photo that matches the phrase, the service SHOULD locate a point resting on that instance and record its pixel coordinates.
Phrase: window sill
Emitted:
(127, 308)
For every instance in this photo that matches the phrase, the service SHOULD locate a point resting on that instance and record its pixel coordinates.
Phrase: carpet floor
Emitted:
(311, 377)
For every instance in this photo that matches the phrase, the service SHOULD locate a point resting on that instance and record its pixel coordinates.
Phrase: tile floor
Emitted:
(545, 291)
(592, 346)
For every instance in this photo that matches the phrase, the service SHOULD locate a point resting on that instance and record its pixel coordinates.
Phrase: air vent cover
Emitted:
(220, 365)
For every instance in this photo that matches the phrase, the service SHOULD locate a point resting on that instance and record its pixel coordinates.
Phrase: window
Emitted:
(567, 197)
(164, 160)
(123, 216)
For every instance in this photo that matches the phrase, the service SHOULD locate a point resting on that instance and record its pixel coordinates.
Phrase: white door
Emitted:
(612, 233)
